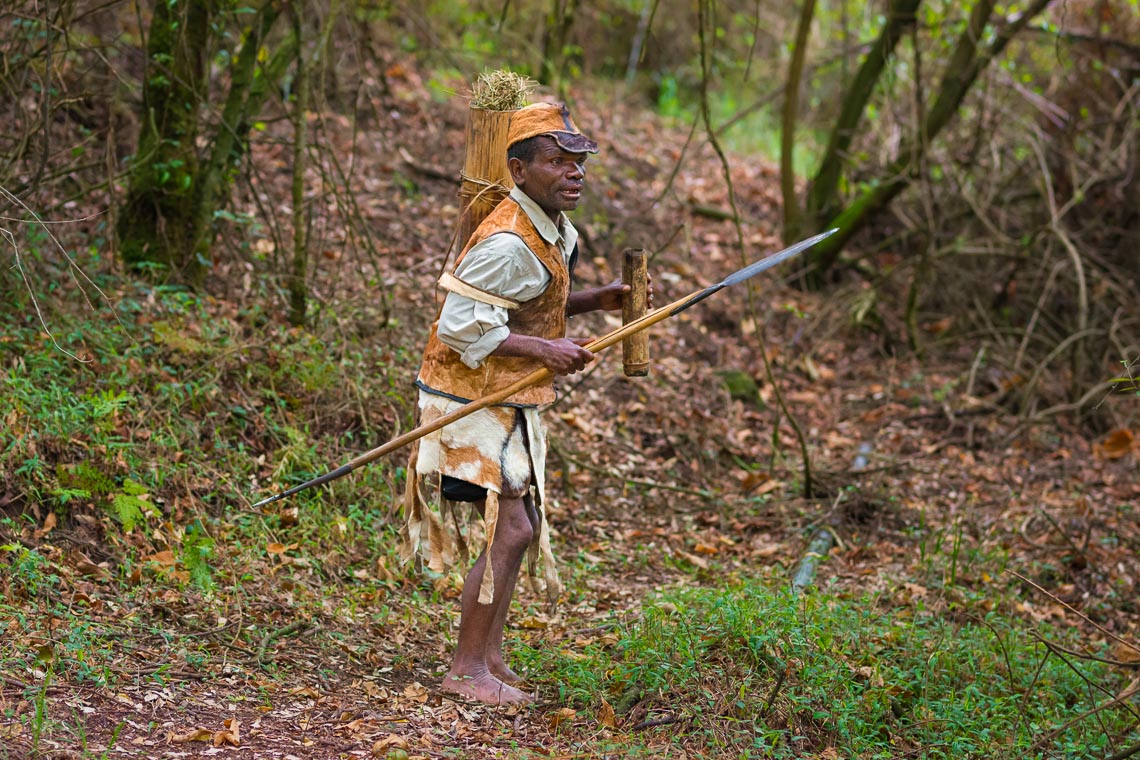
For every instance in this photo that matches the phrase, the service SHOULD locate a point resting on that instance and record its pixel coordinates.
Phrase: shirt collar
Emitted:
(551, 232)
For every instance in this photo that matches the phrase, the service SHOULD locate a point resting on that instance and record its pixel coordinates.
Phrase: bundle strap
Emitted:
(453, 284)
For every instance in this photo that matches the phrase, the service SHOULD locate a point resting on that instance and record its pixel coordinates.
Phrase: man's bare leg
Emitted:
(470, 675)
(495, 661)
(494, 654)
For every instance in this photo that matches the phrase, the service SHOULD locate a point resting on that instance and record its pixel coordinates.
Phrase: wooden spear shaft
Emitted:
(539, 375)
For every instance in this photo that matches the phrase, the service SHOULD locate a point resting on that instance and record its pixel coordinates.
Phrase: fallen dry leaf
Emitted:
(416, 692)
(606, 715)
(577, 421)
(916, 590)
(49, 524)
(164, 558)
(560, 717)
(700, 562)
(763, 546)
(391, 741)
(84, 566)
(939, 327)
(1118, 443)
(750, 479)
(231, 734)
(836, 441)
(1129, 653)
(197, 735)
(767, 487)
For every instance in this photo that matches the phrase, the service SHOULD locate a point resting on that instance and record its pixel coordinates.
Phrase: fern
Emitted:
(129, 507)
(84, 477)
(128, 510)
(197, 550)
(64, 495)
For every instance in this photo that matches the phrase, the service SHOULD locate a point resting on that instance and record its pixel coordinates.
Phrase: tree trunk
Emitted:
(297, 294)
(823, 195)
(558, 23)
(241, 101)
(157, 219)
(788, 131)
(167, 219)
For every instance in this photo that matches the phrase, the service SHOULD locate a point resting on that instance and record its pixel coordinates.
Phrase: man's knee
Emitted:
(514, 525)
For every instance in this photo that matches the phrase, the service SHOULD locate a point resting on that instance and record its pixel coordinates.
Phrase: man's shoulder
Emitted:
(499, 243)
(503, 229)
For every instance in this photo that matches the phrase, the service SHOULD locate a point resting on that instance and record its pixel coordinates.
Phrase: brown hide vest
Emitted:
(543, 317)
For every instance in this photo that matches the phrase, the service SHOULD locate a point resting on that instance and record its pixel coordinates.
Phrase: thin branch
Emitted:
(1075, 611)
(1124, 695)
(706, 57)
(35, 301)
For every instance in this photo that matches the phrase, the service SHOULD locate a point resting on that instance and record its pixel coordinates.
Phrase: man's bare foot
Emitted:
(484, 688)
(502, 671)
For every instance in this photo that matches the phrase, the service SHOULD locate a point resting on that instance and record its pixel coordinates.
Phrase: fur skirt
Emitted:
(500, 448)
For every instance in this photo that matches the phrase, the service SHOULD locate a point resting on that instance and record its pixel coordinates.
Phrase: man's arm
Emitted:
(500, 265)
(605, 298)
(562, 356)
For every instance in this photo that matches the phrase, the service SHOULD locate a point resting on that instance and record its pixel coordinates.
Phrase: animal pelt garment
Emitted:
(499, 448)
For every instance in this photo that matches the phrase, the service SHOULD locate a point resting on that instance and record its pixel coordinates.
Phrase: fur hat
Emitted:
(552, 119)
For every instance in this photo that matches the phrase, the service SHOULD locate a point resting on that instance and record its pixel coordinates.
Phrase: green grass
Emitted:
(869, 676)
(186, 412)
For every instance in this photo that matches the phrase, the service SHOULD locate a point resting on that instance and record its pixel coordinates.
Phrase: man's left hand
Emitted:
(609, 296)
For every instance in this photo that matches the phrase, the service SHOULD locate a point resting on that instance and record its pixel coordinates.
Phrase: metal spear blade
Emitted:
(757, 267)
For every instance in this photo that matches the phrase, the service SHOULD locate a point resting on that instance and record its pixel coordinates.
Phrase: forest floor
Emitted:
(979, 598)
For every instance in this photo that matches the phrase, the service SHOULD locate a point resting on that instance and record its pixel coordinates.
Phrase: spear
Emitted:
(540, 375)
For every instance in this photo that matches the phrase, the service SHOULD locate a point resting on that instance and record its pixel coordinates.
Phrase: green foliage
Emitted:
(130, 507)
(26, 568)
(82, 476)
(183, 400)
(668, 102)
(868, 675)
(197, 550)
(1127, 382)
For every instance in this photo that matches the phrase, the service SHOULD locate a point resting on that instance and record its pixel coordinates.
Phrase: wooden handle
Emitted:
(635, 303)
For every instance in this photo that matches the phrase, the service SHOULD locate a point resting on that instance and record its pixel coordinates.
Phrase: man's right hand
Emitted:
(562, 356)
(565, 356)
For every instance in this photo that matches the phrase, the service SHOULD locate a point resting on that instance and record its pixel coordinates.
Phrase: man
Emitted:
(504, 316)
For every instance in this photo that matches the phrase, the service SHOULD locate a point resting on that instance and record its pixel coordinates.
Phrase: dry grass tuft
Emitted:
(501, 90)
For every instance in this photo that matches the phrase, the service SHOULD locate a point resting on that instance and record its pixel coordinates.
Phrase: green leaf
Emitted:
(133, 488)
(128, 510)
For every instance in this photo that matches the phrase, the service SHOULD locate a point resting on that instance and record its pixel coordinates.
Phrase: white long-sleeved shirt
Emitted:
(504, 266)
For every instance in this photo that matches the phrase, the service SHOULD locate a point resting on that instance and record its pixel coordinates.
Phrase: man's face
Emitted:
(553, 179)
